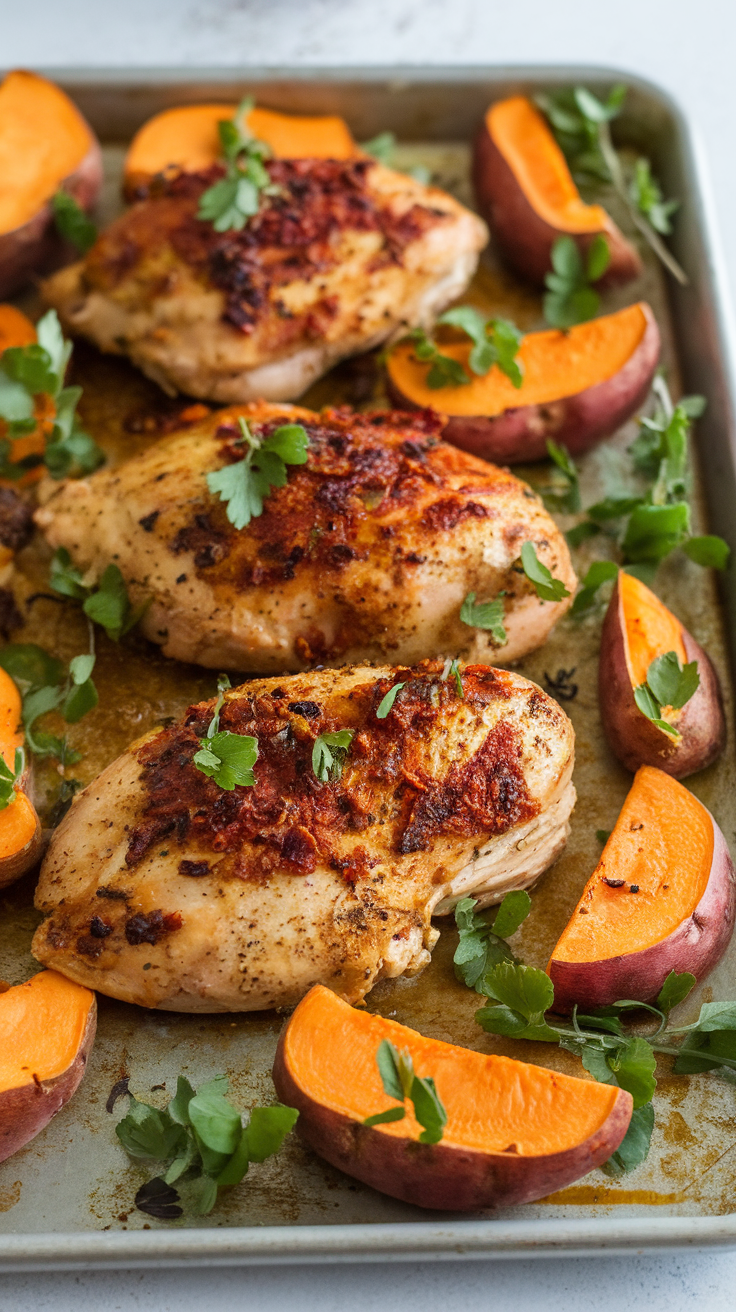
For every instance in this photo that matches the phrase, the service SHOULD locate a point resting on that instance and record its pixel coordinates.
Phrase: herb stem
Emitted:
(613, 164)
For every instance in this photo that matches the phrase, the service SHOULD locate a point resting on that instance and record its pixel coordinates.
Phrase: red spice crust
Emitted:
(317, 199)
(291, 819)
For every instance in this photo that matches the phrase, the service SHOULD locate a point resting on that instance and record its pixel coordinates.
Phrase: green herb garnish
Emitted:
(45, 684)
(668, 683)
(545, 586)
(245, 485)
(106, 602)
(29, 371)
(495, 341)
(485, 615)
(226, 757)
(482, 942)
(387, 702)
(203, 1139)
(400, 1082)
(73, 223)
(600, 572)
(646, 195)
(329, 753)
(570, 298)
(229, 203)
(452, 671)
(10, 779)
(563, 494)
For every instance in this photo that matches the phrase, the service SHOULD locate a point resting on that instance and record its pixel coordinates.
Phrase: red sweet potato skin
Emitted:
(523, 236)
(27, 1110)
(632, 737)
(36, 247)
(697, 945)
(440, 1176)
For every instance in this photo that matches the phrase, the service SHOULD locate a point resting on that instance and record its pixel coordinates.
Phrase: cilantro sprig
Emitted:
(545, 585)
(226, 757)
(45, 685)
(581, 123)
(73, 223)
(330, 752)
(400, 1082)
(106, 602)
(482, 942)
(485, 615)
(10, 777)
(202, 1137)
(229, 203)
(495, 342)
(38, 369)
(570, 297)
(668, 683)
(245, 485)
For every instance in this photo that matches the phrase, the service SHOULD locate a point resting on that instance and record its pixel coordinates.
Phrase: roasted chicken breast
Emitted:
(162, 888)
(347, 254)
(367, 553)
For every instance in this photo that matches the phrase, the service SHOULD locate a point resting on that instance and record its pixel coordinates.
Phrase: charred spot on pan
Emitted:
(562, 687)
(151, 926)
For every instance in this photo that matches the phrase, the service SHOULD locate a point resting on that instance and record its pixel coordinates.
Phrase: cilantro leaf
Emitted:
(600, 572)
(146, 1132)
(570, 299)
(646, 195)
(445, 371)
(106, 603)
(329, 752)
(267, 1128)
(228, 758)
(673, 684)
(234, 199)
(709, 551)
(244, 485)
(400, 1081)
(512, 912)
(634, 1065)
(495, 341)
(485, 615)
(524, 989)
(654, 531)
(481, 944)
(387, 702)
(73, 223)
(545, 586)
(634, 1146)
(575, 116)
(675, 989)
(381, 147)
(10, 778)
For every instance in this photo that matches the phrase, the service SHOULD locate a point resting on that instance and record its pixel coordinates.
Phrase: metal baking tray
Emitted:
(66, 1200)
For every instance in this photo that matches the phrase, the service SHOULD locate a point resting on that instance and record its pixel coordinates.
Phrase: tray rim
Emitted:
(451, 1238)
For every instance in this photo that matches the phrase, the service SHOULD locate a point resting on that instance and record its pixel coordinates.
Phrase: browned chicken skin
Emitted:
(366, 554)
(163, 889)
(346, 255)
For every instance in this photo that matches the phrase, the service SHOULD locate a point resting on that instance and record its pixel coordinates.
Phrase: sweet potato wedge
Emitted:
(514, 1132)
(527, 194)
(21, 838)
(637, 628)
(578, 387)
(662, 898)
(187, 138)
(45, 145)
(47, 1028)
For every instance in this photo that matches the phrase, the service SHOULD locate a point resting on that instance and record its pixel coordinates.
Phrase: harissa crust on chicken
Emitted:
(347, 254)
(163, 889)
(367, 553)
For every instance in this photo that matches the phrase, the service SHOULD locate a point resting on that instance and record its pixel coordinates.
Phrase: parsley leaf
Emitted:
(229, 203)
(106, 602)
(245, 485)
(328, 754)
(570, 298)
(668, 683)
(73, 223)
(387, 702)
(9, 779)
(495, 341)
(400, 1082)
(485, 615)
(202, 1137)
(600, 572)
(709, 551)
(481, 943)
(445, 371)
(45, 685)
(545, 586)
(226, 757)
(634, 1146)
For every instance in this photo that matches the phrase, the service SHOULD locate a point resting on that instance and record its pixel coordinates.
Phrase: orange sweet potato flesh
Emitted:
(663, 844)
(43, 139)
(15, 328)
(20, 829)
(187, 138)
(524, 139)
(651, 629)
(47, 1028)
(555, 365)
(514, 1131)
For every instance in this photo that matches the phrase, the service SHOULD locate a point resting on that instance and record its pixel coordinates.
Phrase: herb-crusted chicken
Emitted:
(366, 553)
(344, 255)
(162, 888)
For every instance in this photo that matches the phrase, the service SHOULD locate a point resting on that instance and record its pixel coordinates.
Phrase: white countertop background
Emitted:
(688, 48)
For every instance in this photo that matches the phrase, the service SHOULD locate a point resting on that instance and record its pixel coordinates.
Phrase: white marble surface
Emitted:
(689, 49)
